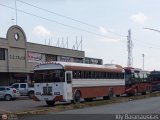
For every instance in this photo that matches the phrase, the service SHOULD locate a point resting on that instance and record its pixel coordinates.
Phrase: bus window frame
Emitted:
(66, 77)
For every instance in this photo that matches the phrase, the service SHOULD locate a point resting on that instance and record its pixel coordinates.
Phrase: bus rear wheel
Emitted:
(50, 103)
(110, 95)
(77, 97)
(135, 92)
(144, 93)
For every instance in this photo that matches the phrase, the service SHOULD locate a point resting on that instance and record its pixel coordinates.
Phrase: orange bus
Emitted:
(137, 81)
(65, 81)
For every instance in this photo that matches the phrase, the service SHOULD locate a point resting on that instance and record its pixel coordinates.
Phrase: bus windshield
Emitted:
(48, 76)
(129, 78)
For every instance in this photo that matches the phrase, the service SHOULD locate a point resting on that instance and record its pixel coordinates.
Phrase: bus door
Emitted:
(68, 79)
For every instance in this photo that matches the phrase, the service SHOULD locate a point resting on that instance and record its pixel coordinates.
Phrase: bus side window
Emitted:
(68, 78)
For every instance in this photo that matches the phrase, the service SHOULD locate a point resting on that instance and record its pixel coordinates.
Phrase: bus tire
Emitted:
(149, 91)
(105, 97)
(118, 95)
(144, 93)
(135, 92)
(77, 97)
(50, 103)
(110, 94)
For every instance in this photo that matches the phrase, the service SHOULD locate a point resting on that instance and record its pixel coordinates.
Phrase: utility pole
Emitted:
(129, 46)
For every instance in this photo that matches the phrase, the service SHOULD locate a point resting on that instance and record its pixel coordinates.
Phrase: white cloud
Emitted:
(107, 39)
(103, 30)
(41, 31)
(139, 18)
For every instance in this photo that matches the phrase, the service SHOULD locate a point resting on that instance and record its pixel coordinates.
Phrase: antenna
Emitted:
(66, 44)
(51, 41)
(62, 44)
(76, 43)
(80, 44)
(57, 43)
(16, 10)
(45, 41)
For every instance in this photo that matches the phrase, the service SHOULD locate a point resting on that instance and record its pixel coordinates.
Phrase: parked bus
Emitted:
(155, 80)
(64, 81)
(137, 81)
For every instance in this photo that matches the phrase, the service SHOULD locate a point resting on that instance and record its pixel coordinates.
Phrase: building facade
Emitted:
(19, 57)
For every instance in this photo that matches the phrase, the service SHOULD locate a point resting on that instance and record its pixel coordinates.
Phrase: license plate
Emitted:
(45, 98)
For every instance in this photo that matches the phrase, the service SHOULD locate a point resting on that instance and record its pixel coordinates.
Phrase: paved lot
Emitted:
(20, 104)
(149, 105)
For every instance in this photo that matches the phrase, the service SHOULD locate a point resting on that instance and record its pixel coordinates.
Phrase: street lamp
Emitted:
(152, 29)
(143, 61)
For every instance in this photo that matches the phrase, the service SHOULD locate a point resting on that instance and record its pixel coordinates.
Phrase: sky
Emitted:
(102, 24)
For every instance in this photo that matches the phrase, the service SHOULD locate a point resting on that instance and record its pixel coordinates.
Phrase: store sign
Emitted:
(94, 61)
(34, 57)
(65, 59)
(17, 57)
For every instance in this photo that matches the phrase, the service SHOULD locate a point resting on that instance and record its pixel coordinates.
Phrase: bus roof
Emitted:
(131, 68)
(78, 66)
(155, 72)
(136, 70)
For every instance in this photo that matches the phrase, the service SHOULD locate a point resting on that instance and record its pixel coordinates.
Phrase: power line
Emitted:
(50, 20)
(93, 26)
(149, 45)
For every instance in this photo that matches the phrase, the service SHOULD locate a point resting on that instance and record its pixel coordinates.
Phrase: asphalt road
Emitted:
(21, 104)
(145, 106)
(110, 112)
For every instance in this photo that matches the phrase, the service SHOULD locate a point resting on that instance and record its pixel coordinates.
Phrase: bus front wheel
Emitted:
(50, 103)
(77, 97)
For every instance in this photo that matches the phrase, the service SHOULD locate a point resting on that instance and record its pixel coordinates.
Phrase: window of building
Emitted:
(50, 58)
(2, 54)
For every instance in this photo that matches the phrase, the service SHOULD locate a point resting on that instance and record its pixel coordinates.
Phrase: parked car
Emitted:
(8, 93)
(24, 89)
